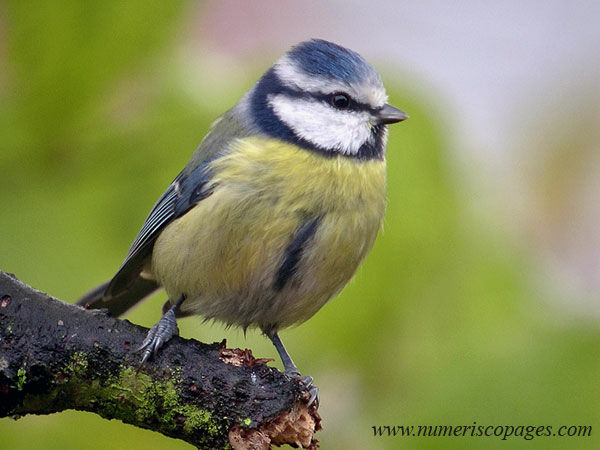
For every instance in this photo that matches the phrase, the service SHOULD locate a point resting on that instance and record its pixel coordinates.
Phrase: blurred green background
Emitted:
(445, 323)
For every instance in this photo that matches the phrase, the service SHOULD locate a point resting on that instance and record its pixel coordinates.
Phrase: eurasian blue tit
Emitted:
(275, 210)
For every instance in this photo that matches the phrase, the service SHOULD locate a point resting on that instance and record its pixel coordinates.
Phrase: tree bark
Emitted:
(56, 356)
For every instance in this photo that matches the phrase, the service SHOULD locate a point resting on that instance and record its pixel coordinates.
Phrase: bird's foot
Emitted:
(307, 383)
(160, 333)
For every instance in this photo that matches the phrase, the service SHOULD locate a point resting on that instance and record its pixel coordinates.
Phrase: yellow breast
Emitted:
(225, 252)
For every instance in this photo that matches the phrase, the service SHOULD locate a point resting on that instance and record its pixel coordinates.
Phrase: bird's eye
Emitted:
(340, 101)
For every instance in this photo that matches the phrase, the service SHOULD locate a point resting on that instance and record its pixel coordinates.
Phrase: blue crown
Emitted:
(326, 59)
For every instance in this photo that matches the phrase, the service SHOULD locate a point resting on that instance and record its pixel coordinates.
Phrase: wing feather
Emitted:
(191, 186)
(162, 213)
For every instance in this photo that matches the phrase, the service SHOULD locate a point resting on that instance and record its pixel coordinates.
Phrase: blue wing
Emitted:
(191, 186)
(159, 216)
(182, 194)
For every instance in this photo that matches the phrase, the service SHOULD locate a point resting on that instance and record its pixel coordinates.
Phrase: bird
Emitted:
(276, 208)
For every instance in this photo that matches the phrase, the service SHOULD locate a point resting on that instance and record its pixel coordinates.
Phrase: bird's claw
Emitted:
(313, 391)
(307, 383)
(160, 333)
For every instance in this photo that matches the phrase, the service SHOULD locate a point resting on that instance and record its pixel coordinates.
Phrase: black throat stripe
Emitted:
(293, 253)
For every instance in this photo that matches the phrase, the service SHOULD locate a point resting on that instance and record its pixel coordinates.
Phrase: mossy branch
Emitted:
(56, 356)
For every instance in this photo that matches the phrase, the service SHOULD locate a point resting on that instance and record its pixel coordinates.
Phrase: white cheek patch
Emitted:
(322, 125)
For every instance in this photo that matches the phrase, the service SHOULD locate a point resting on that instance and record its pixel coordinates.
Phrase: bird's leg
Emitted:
(288, 364)
(291, 370)
(160, 333)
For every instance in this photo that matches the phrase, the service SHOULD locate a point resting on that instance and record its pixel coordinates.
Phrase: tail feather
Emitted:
(94, 297)
(118, 304)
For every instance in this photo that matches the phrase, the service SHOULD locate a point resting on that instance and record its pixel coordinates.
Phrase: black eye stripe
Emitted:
(352, 105)
(326, 98)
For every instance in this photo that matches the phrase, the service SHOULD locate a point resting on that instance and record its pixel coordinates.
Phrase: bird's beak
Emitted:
(389, 114)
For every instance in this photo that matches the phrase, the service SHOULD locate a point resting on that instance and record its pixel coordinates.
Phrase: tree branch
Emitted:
(56, 356)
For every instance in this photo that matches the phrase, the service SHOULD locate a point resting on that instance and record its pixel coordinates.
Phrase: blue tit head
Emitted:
(326, 98)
